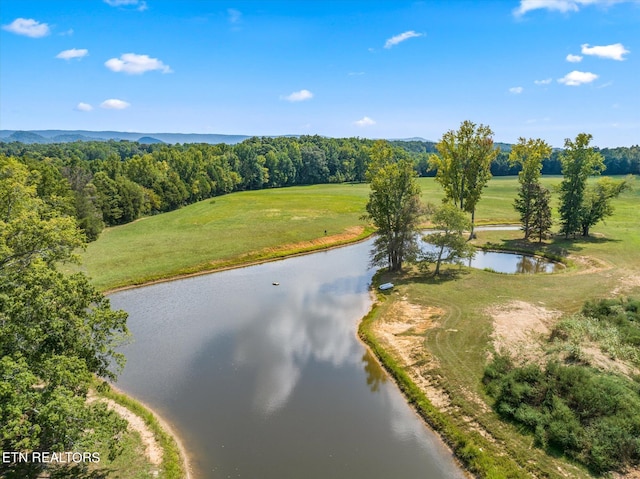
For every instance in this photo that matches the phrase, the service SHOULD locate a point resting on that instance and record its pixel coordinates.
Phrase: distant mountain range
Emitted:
(65, 136)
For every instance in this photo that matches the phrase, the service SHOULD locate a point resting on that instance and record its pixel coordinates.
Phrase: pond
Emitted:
(505, 261)
(513, 263)
(270, 381)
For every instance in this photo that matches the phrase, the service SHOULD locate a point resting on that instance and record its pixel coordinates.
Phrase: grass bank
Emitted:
(173, 465)
(473, 450)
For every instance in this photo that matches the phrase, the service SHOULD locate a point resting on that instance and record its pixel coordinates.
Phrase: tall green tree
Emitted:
(529, 154)
(463, 164)
(450, 223)
(540, 220)
(56, 332)
(394, 207)
(579, 162)
(596, 204)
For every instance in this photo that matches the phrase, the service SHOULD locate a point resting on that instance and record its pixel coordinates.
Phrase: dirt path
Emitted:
(153, 450)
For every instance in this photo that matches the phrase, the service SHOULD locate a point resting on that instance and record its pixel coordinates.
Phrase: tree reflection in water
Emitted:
(375, 374)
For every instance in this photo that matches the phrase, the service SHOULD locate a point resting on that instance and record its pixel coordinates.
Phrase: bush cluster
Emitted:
(589, 415)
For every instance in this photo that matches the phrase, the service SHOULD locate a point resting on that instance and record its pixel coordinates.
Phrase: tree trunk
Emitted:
(437, 271)
(472, 235)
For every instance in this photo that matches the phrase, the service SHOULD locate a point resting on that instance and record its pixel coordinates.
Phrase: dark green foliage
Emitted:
(56, 331)
(622, 313)
(541, 220)
(394, 207)
(590, 416)
(579, 162)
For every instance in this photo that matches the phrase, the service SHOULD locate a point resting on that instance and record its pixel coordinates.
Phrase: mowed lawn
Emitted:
(226, 230)
(251, 226)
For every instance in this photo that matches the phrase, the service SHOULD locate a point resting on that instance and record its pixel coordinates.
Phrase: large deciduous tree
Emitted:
(579, 162)
(596, 204)
(394, 207)
(529, 155)
(463, 164)
(56, 332)
(450, 245)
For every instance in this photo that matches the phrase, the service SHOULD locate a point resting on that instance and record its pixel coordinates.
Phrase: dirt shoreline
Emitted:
(150, 443)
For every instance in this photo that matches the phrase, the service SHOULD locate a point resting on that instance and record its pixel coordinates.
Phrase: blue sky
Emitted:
(545, 69)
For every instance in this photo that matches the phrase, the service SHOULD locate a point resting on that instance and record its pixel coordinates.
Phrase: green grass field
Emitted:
(225, 231)
(251, 226)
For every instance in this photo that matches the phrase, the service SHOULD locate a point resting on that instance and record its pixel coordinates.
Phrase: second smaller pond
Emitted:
(513, 263)
(505, 262)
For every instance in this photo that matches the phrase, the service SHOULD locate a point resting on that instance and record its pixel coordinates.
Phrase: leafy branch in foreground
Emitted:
(56, 332)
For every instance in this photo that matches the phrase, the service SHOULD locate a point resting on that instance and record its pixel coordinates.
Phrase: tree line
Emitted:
(111, 183)
(115, 182)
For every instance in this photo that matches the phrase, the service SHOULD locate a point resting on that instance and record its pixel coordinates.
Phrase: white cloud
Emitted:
(546, 81)
(576, 78)
(140, 5)
(563, 6)
(28, 27)
(516, 90)
(73, 53)
(114, 104)
(355, 74)
(84, 107)
(365, 121)
(574, 58)
(135, 64)
(613, 52)
(301, 95)
(401, 38)
(234, 15)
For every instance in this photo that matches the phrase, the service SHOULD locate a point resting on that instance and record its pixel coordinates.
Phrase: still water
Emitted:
(265, 381)
(513, 263)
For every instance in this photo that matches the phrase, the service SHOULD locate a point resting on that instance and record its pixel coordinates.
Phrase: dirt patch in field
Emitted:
(594, 356)
(520, 328)
(152, 449)
(588, 264)
(402, 331)
(626, 283)
(630, 474)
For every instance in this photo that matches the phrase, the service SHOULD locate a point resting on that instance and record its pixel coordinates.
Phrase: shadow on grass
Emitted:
(558, 246)
(447, 273)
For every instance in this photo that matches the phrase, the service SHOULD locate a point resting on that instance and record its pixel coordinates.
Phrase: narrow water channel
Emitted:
(270, 381)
